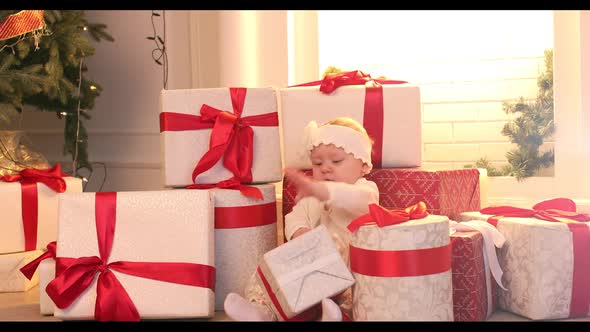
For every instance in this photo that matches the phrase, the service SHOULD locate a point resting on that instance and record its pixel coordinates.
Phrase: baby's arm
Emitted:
(304, 216)
(354, 198)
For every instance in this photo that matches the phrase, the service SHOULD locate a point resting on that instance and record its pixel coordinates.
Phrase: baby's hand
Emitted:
(305, 185)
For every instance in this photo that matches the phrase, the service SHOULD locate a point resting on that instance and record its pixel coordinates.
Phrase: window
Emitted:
(466, 63)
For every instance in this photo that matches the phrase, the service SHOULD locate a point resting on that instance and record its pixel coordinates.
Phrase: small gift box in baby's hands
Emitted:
(300, 273)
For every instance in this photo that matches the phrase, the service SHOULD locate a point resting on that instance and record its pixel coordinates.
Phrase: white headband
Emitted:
(350, 140)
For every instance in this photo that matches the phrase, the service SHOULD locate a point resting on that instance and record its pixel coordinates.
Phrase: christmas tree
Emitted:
(529, 130)
(45, 69)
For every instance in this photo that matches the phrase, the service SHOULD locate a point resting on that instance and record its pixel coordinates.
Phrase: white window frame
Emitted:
(571, 74)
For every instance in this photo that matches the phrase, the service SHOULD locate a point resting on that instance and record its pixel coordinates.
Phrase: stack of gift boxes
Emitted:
(177, 253)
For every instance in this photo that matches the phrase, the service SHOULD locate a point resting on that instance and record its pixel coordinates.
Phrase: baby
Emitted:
(335, 194)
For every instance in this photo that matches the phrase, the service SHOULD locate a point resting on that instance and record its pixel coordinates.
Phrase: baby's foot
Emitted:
(330, 311)
(239, 309)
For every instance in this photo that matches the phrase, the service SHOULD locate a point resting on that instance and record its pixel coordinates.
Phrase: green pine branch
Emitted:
(47, 78)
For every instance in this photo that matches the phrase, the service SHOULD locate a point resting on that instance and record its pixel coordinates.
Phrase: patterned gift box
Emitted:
(402, 267)
(11, 280)
(153, 252)
(240, 119)
(46, 274)
(390, 112)
(31, 208)
(297, 275)
(245, 229)
(447, 192)
(470, 293)
(545, 271)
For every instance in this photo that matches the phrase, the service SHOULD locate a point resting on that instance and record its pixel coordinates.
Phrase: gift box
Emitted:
(389, 110)
(29, 214)
(245, 229)
(153, 252)
(401, 262)
(546, 274)
(297, 275)
(446, 192)
(46, 274)
(11, 280)
(201, 127)
(471, 280)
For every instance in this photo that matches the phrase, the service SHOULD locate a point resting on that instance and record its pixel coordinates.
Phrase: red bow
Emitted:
(29, 269)
(384, 217)
(548, 210)
(28, 178)
(51, 177)
(232, 136)
(75, 275)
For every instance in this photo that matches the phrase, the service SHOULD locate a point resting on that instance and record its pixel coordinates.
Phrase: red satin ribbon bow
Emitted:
(554, 210)
(113, 303)
(232, 137)
(51, 177)
(28, 178)
(373, 108)
(29, 269)
(383, 217)
(547, 210)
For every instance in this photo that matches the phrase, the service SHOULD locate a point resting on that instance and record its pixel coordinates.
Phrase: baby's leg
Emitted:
(252, 307)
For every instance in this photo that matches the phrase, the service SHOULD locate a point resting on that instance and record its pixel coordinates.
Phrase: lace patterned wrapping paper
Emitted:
(470, 299)
(11, 279)
(12, 236)
(410, 298)
(182, 150)
(238, 251)
(46, 274)
(537, 260)
(151, 226)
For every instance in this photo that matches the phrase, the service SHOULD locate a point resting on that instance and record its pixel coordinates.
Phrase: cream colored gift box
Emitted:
(151, 226)
(245, 229)
(46, 274)
(538, 262)
(11, 278)
(403, 298)
(300, 273)
(12, 238)
(182, 150)
(402, 124)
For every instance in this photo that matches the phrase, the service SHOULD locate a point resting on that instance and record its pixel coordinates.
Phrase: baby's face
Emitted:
(330, 163)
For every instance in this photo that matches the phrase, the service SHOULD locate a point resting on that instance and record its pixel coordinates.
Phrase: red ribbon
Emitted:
(552, 210)
(382, 217)
(74, 275)
(400, 263)
(245, 216)
(233, 184)
(373, 111)
(28, 178)
(29, 269)
(396, 263)
(232, 136)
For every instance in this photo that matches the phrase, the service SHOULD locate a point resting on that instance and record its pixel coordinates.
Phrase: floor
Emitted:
(24, 306)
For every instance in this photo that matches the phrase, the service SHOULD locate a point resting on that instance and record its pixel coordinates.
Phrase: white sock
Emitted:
(239, 309)
(330, 311)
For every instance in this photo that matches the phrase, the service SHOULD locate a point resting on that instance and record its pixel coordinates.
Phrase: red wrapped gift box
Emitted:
(470, 298)
(447, 192)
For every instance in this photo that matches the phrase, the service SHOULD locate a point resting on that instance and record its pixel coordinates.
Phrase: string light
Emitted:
(92, 87)
(159, 53)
